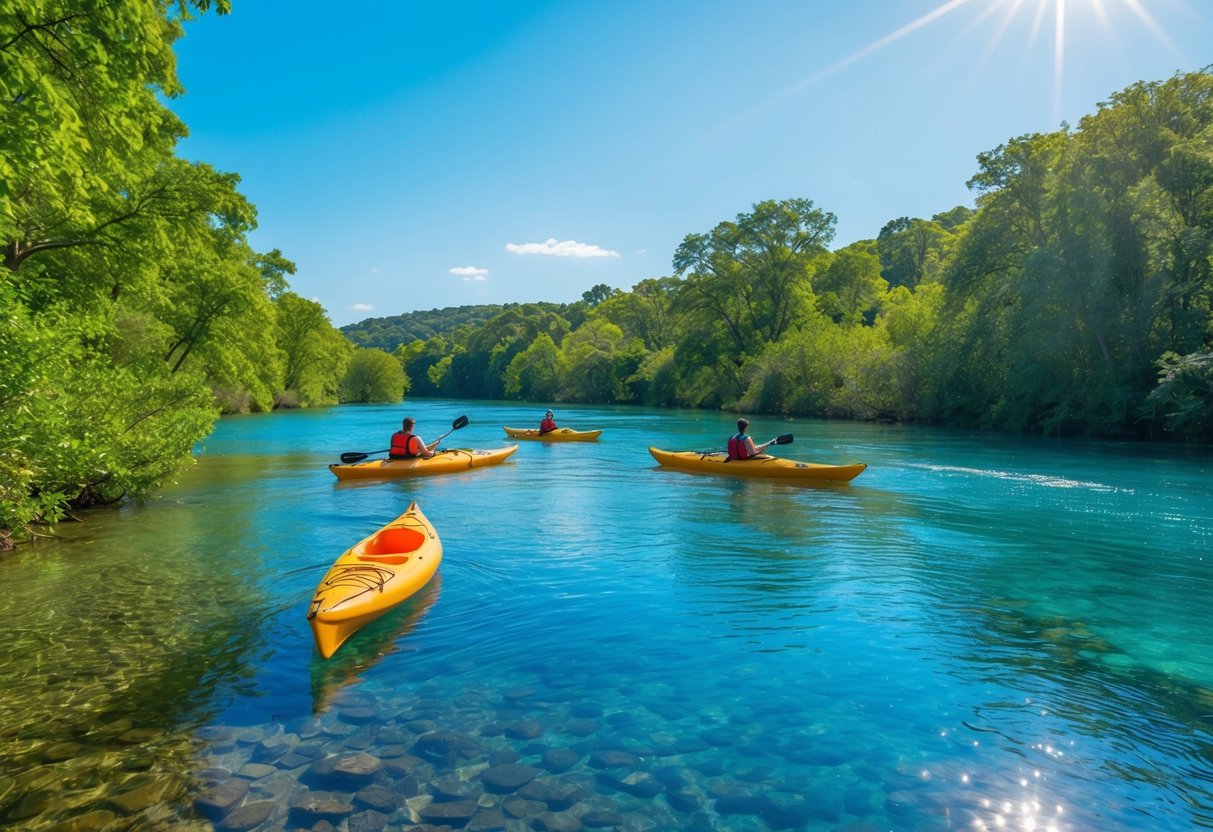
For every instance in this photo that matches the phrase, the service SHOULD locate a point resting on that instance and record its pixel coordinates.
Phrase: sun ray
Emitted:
(876, 46)
(1145, 17)
(1059, 56)
(1036, 23)
(992, 44)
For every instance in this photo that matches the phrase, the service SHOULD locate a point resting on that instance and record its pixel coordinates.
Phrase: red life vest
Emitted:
(402, 444)
(547, 425)
(737, 447)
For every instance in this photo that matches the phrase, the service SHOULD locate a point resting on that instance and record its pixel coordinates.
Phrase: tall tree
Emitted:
(753, 276)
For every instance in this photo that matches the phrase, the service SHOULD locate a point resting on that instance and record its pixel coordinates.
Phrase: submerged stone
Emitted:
(489, 820)
(518, 807)
(557, 822)
(379, 798)
(553, 793)
(557, 760)
(247, 817)
(221, 798)
(309, 807)
(455, 812)
(508, 778)
(367, 821)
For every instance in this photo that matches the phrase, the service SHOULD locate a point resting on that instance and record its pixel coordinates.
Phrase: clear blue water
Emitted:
(980, 632)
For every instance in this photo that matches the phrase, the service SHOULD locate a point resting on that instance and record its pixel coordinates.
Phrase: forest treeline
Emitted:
(1074, 299)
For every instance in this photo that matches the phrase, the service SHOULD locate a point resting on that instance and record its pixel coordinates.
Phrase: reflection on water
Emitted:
(380, 638)
(978, 633)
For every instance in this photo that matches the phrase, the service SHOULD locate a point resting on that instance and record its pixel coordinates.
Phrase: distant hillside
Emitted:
(389, 333)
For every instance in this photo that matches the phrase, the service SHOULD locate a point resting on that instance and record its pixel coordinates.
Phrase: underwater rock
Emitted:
(247, 817)
(527, 729)
(455, 812)
(367, 821)
(308, 807)
(557, 760)
(555, 794)
(508, 778)
(379, 798)
(557, 822)
(580, 727)
(220, 799)
(256, 771)
(489, 820)
(613, 759)
(449, 789)
(518, 807)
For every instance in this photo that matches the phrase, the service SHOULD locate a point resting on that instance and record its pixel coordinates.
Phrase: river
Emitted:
(979, 632)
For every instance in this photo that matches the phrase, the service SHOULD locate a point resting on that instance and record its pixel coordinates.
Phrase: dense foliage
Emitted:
(455, 321)
(132, 309)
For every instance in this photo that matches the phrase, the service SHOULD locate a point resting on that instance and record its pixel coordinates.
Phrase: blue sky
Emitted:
(410, 156)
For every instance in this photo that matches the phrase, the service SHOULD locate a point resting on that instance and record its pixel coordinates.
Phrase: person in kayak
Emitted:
(547, 424)
(741, 445)
(408, 445)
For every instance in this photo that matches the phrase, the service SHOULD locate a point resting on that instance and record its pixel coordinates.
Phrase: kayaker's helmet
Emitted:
(549, 414)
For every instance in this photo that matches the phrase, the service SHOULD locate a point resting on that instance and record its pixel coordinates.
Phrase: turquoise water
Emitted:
(980, 632)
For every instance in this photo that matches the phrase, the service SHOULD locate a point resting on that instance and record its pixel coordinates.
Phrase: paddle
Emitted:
(354, 456)
(782, 439)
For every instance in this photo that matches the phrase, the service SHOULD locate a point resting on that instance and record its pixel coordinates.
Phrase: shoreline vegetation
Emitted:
(1074, 299)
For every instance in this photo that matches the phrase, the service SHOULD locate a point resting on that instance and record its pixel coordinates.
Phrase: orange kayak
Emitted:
(558, 435)
(373, 576)
(759, 466)
(443, 462)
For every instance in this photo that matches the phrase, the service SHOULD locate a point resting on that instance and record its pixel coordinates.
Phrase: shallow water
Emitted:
(979, 632)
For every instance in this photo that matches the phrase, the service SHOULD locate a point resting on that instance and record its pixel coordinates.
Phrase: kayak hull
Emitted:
(371, 577)
(761, 466)
(558, 435)
(444, 462)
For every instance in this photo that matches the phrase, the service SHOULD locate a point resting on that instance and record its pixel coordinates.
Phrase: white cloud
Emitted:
(470, 273)
(362, 307)
(315, 299)
(642, 251)
(567, 248)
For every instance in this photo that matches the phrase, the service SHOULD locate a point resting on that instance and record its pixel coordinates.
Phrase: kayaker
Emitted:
(741, 446)
(408, 445)
(547, 424)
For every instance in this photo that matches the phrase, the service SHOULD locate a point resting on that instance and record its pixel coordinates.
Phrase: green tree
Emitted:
(534, 373)
(851, 288)
(316, 354)
(373, 376)
(645, 312)
(593, 363)
(752, 278)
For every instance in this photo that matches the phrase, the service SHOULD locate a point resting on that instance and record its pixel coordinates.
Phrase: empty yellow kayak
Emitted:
(372, 577)
(558, 435)
(443, 462)
(759, 466)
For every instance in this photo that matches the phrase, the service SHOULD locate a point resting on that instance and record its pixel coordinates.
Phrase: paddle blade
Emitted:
(355, 456)
(782, 439)
(461, 422)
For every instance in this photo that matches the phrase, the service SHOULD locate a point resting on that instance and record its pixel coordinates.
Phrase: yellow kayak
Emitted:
(372, 577)
(759, 466)
(558, 435)
(443, 462)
